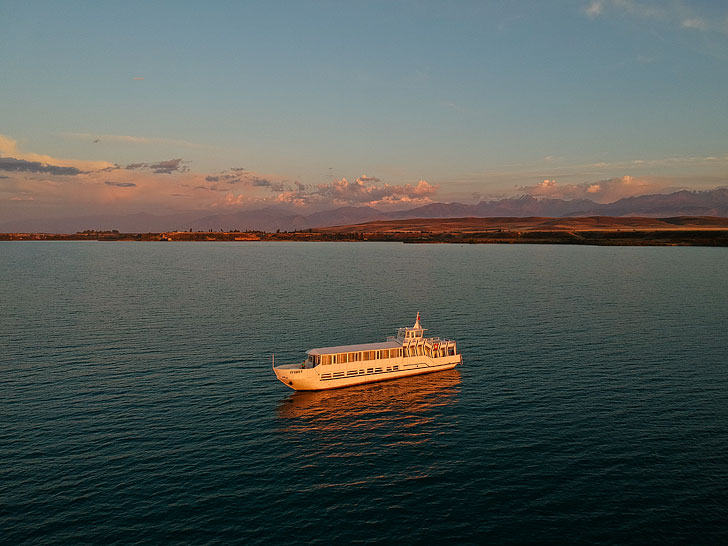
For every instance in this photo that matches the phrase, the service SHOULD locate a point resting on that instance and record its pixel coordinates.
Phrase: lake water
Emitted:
(138, 406)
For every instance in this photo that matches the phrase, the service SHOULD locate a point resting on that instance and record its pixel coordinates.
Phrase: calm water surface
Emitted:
(138, 406)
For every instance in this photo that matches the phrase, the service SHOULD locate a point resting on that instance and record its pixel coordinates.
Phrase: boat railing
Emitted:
(439, 341)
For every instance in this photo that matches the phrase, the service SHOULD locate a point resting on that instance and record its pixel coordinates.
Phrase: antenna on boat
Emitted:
(274, 360)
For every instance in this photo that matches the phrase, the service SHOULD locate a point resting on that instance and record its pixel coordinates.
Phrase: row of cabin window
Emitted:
(343, 358)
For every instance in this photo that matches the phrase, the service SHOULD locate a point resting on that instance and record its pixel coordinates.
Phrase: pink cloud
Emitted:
(56, 187)
(603, 191)
(364, 191)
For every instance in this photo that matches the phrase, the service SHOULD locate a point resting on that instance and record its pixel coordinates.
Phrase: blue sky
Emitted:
(358, 102)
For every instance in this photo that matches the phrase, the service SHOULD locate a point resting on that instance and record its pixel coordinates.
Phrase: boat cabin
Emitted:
(353, 353)
(408, 343)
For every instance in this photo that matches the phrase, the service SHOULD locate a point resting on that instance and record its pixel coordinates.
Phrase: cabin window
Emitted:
(379, 355)
(385, 353)
(326, 359)
(352, 357)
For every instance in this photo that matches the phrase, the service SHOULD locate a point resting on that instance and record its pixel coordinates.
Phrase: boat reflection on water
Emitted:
(402, 405)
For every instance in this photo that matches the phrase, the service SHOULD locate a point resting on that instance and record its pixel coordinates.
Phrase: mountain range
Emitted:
(681, 203)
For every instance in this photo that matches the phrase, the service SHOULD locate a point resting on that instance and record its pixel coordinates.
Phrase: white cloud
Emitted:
(594, 9)
(695, 23)
(681, 14)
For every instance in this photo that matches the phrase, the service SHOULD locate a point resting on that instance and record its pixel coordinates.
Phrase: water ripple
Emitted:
(138, 406)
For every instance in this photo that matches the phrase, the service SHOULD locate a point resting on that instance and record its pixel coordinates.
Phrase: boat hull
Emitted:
(316, 378)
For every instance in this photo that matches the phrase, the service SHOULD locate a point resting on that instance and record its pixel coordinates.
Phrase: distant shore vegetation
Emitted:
(593, 230)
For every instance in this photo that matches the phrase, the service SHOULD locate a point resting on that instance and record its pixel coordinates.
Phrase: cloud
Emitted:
(602, 191)
(363, 191)
(225, 180)
(169, 166)
(162, 167)
(69, 187)
(231, 200)
(20, 165)
(695, 23)
(364, 178)
(594, 9)
(265, 183)
(9, 148)
(229, 178)
(679, 14)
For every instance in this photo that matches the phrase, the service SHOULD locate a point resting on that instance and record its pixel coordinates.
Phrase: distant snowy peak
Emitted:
(681, 203)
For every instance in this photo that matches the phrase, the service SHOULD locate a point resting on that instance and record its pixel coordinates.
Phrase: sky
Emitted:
(123, 107)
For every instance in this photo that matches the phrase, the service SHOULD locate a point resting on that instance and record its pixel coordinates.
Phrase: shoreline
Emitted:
(593, 230)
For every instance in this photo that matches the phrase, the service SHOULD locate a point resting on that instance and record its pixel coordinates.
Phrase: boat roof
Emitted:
(354, 348)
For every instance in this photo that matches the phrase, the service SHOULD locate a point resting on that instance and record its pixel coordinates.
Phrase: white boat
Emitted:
(409, 353)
